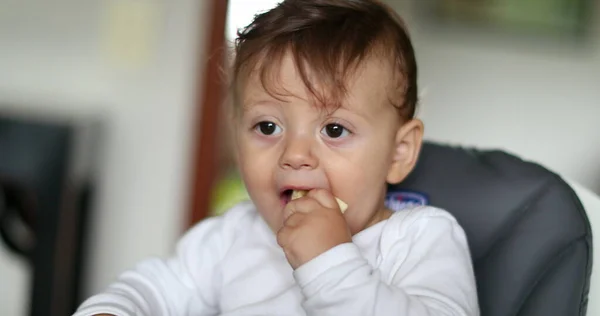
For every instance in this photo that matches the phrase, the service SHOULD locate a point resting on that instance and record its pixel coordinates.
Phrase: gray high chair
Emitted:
(528, 232)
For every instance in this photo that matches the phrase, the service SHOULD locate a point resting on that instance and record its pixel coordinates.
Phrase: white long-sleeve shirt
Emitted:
(416, 263)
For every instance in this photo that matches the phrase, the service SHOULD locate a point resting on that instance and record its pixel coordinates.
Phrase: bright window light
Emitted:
(241, 12)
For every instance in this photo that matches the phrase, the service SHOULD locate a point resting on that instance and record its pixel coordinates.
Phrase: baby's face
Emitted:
(287, 143)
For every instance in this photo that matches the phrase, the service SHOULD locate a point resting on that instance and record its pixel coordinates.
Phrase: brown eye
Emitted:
(268, 128)
(335, 131)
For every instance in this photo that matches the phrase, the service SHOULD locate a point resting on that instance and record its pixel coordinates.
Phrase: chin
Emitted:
(274, 227)
(274, 222)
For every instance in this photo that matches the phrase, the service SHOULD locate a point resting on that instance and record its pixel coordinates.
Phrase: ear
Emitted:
(409, 139)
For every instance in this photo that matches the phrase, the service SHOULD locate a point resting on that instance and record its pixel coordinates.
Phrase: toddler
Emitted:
(324, 95)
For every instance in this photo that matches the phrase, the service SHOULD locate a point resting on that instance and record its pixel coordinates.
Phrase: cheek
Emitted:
(363, 166)
(359, 178)
(256, 172)
(257, 167)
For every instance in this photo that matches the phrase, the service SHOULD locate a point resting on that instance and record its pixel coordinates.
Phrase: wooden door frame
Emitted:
(211, 93)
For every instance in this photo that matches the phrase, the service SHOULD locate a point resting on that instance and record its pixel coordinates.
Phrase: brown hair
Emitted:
(330, 38)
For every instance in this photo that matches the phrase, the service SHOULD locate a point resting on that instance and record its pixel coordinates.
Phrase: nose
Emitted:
(299, 154)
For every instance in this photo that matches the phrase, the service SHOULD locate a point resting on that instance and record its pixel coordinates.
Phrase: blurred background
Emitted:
(111, 134)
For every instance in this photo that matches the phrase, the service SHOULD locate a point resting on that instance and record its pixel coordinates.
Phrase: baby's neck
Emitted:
(383, 214)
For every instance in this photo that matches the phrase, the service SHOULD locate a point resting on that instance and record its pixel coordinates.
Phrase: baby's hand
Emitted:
(312, 225)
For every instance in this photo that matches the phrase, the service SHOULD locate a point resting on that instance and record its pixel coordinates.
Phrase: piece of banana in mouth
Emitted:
(296, 194)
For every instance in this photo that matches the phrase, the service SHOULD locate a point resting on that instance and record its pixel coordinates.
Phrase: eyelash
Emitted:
(261, 127)
(258, 127)
(345, 130)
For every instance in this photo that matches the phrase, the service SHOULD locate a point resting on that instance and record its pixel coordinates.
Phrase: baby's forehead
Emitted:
(371, 83)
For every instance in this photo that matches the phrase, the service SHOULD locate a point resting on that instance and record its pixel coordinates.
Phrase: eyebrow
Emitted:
(248, 105)
(259, 101)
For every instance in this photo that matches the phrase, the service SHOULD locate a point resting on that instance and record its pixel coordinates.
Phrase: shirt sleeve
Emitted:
(182, 285)
(424, 269)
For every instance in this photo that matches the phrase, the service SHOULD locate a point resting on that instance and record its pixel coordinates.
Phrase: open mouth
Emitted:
(286, 196)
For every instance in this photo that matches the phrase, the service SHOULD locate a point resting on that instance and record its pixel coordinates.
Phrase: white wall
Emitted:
(241, 13)
(540, 100)
(62, 58)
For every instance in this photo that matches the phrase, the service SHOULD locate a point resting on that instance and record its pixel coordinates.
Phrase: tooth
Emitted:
(296, 194)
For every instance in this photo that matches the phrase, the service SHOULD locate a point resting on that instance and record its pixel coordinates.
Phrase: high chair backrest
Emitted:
(529, 234)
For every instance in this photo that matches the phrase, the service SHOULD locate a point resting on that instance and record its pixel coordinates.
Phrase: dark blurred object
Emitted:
(16, 218)
(46, 178)
(540, 18)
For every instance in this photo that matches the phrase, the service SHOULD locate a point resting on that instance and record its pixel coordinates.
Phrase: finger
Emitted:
(284, 236)
(294, 220)
(302, 205)
(324, 197)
